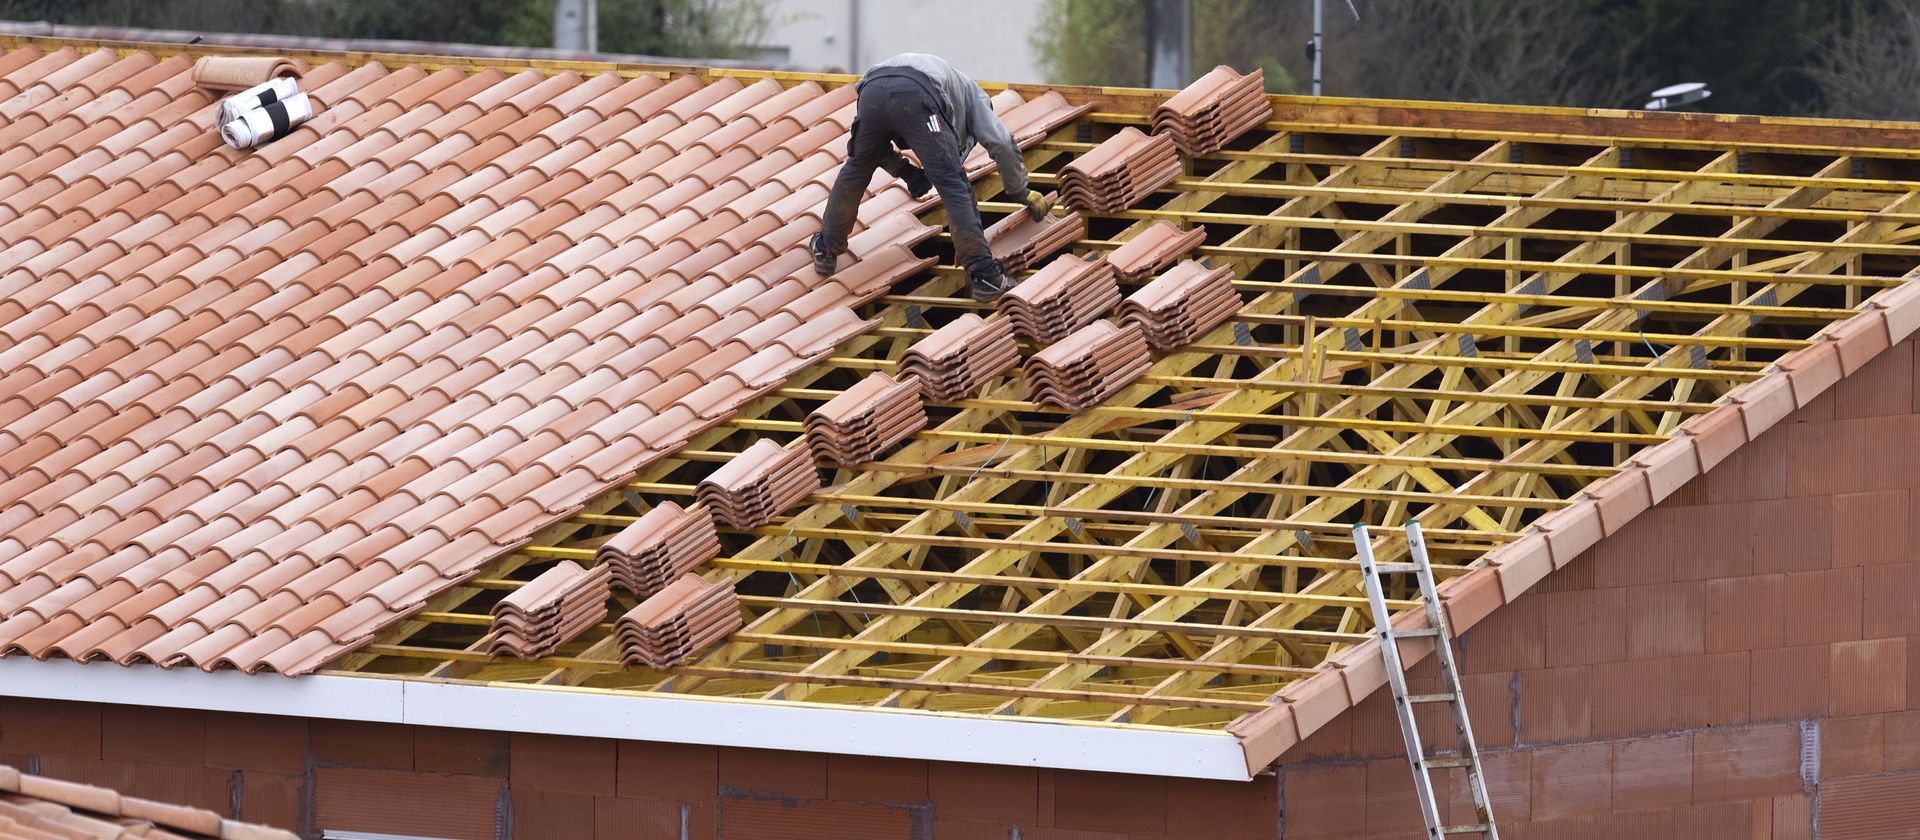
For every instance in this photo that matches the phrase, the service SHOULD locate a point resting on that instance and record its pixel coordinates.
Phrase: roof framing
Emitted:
(1463, 328)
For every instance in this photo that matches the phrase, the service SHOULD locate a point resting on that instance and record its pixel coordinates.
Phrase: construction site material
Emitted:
(680, 621)
(266, 123)
(1020, 241)
(1180, 306)
(553, 608)
(236, 72)
(265, 93)
(960, 357)
(759, 484)
(1067, 294)
(34, 807)
(1215, 110)
(659, 547)
(1089, 366)
(1153, 249)
(1466, 754)
(866, 420)
(1118, 173)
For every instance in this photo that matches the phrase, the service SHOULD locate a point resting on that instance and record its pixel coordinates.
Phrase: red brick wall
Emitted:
(1741, 662)
(319, 774)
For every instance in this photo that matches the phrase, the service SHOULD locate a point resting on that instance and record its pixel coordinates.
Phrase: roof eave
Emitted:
(585, 712)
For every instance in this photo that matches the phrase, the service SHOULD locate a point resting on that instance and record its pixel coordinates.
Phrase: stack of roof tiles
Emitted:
(1180, 306)
(550, 610)
(864, 421)
(759, 483)
(1067, 294)
(961, 356)
(661, 545)
(1153, 249)
(678, 622)
(255, 407)
(1119, 172)
(1019, 240)
(1218, 107)
(1089, 366)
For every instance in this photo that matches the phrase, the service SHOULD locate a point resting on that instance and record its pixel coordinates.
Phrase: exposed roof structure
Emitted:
(35, 807)
(1520, 327)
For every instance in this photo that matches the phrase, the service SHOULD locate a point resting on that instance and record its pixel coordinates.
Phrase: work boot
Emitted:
(826, 260)
(989, 283)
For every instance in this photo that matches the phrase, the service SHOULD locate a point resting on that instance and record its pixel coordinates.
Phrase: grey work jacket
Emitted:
(967, 110)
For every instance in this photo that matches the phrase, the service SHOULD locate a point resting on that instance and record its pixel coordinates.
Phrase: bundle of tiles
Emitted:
(1182, 305)
(1067, 294)
(1153, 249)
(1218, 107)
(961, 356)
(662, 545)
(759, 483)
(1020, 240)
(1089, 366)
(264, 113)
(866, 420)
(1128, 167)
(677, 623)
(550, 610)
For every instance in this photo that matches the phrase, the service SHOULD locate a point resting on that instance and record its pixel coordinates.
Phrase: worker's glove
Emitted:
(1037, 204)
(917, 183)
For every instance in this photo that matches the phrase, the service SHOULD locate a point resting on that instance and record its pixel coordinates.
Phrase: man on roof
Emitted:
(920, 102)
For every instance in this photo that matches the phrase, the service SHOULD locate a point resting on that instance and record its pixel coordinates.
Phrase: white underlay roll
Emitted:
(265, 93)
(267, 123)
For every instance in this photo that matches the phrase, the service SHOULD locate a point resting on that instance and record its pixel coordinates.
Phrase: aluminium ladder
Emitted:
(1403, 703)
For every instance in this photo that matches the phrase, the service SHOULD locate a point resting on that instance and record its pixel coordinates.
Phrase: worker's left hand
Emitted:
(1037, 204)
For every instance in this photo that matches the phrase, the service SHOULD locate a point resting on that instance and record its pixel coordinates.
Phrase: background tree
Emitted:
(1752, 53)
(690, 28)
(1870, 67)
(1530, 52)
(1104, 42)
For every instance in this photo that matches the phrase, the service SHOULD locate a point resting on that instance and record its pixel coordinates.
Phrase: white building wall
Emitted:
(988, 39)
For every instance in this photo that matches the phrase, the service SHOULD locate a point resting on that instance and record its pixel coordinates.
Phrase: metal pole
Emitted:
(1319, 46)
(1170, 40)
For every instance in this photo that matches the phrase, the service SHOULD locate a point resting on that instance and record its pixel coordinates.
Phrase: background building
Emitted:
(989, 39)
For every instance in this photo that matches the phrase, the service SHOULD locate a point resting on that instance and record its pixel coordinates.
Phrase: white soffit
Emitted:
(643, 717)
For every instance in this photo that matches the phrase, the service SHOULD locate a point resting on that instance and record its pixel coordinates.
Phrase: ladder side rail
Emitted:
(1397, 681)
(1450, 676)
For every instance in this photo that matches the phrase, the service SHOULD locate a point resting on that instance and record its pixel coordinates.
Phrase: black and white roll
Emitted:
(266, 93)
(267, 123)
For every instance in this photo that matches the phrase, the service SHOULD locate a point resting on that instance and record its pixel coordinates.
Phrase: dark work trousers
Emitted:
(895, 107)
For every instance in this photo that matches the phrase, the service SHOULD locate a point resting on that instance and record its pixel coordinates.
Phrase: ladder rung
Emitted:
(1430, 698)
(1480, 828)
(1450, 762)
(1415, 634)
(1396, 568)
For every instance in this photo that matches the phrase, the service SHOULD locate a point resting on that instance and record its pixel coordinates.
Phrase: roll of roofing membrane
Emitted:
(267, 123)
(260, 95)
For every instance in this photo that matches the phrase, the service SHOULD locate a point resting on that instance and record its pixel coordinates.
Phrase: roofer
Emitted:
(920, 102)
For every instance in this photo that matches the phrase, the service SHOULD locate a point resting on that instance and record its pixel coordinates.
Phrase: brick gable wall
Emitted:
(1743, 661)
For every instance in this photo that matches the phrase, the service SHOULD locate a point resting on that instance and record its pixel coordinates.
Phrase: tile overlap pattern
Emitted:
(255, 406)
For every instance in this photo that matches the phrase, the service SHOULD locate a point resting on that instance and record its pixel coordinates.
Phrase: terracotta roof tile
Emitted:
(1214, 110)
(35, 807)
(264, 402)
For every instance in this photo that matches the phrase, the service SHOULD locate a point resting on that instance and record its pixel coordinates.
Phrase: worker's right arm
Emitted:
(988, 131)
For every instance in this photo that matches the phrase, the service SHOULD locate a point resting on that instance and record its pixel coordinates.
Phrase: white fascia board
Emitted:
(671, 718)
